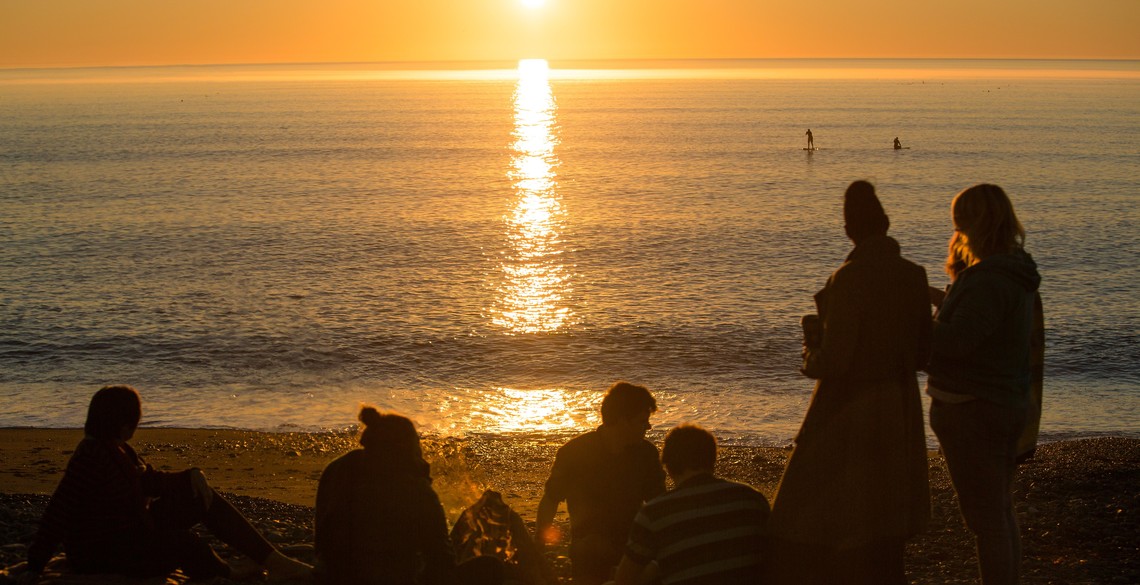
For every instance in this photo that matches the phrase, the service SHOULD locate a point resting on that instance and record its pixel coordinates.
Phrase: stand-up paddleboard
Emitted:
(811, 149)
(903, 148)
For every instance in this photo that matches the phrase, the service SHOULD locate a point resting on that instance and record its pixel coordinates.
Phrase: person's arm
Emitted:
(554, 492)
(925, 325)
(840, 317)
(329, 529)
(937, 295)
(629, 572)
(637, 564)
(87, 469)
(435, 543)
(977, 312)
(544, 522)
(655, 478)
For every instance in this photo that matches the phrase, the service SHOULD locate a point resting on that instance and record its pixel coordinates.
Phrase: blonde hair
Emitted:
(984, 224)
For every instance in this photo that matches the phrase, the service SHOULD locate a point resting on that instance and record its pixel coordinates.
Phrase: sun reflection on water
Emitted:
(533, 295)
(535, 410)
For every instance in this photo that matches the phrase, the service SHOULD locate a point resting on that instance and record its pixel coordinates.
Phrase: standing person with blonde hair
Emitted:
(979, 369)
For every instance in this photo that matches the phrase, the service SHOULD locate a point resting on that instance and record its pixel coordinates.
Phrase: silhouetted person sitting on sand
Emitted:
(707, 530)
(378, 519)
(604, 476)
(811, 140)
(115, 513)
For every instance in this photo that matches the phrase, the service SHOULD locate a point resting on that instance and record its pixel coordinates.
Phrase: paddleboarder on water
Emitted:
(898, 145)
(811, 140)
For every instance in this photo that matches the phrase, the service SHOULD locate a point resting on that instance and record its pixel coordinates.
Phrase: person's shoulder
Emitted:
(913, 270)
(647, 446)
(92, 450)
(743, 488)
(742, 492)
(344, 462)
(584, 442)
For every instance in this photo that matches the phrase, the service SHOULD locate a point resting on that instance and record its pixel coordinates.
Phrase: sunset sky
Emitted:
(36, 33)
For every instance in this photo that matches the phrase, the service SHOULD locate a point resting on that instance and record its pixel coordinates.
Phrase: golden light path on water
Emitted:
(532, 298)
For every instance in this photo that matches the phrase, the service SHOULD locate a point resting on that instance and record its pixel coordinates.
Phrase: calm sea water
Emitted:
(486, 252)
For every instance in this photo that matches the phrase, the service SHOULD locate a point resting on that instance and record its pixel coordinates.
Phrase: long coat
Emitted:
(858, 472)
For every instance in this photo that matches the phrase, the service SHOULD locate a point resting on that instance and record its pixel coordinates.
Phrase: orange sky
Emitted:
(161, 32)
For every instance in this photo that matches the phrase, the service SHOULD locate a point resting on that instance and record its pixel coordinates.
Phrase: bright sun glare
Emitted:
(533, 3)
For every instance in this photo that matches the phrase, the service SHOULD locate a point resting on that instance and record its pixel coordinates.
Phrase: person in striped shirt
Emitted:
(707, 530)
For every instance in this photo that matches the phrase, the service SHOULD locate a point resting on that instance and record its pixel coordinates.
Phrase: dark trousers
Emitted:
(979, 440)
(171, 545)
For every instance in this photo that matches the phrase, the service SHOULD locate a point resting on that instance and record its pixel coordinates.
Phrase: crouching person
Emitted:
(707, 530)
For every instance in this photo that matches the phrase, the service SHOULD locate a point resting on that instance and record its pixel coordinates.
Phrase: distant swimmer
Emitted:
(811, 140)
(898, 145)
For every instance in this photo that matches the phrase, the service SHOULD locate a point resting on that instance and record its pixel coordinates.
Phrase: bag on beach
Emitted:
(491, 530)
(484, 529)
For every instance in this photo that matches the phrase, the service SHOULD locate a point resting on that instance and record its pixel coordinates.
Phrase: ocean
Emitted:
(486, 251)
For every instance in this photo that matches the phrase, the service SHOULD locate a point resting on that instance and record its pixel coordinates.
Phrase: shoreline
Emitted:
(1077, 500)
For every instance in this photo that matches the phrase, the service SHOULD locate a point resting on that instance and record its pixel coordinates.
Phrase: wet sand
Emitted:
(1078, 501)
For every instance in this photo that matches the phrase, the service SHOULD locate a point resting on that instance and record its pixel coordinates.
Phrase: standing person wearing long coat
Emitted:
(855, 487)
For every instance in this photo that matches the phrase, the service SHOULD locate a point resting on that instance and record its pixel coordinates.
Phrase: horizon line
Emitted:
(622, 63)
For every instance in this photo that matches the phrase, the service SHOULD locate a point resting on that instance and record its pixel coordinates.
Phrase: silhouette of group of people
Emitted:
(854, 489)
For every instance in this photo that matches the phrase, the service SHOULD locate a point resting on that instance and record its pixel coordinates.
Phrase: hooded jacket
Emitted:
(982, 331)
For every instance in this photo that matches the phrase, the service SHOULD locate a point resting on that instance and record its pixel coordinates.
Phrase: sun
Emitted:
(533, 3)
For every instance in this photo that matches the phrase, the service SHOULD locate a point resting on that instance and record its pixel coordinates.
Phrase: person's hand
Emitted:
(937, 295)
(200, 488)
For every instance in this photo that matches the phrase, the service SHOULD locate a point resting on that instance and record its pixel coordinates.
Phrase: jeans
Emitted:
(979, 440)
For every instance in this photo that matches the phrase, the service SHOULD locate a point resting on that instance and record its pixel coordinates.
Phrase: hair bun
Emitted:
(369, 415)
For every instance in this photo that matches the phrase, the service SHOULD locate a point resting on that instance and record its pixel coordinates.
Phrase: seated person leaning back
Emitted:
(114, 513)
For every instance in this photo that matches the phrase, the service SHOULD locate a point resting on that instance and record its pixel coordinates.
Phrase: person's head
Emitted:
(389, 434)
(984, 224)
(114, 413)
(688, 448)
(627, 407)
(863, 215)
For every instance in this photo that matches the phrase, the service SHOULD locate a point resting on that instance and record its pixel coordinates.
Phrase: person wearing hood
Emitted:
(856, 487)
(979, 371)
(378, 520)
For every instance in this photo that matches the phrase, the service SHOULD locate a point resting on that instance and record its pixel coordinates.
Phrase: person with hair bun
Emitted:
(980, 371)
(378, 520)
(114, 513)
(855, 487)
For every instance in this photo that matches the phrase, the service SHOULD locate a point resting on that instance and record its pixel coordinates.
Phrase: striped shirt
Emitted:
(707, 530)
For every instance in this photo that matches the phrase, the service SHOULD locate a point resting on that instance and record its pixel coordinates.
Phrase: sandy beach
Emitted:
(1078, 501)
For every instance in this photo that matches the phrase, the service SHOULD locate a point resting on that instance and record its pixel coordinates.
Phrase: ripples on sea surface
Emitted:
(489, 254)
